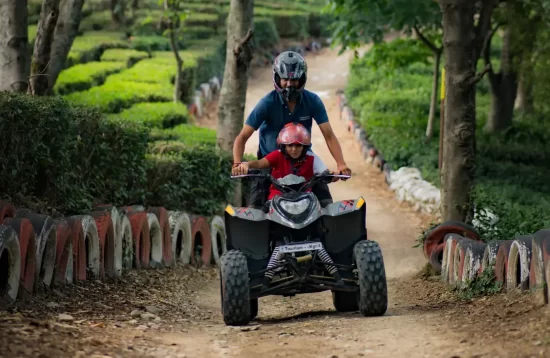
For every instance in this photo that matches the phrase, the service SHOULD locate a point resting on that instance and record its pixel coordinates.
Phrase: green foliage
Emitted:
(156, 115)
(196, 179)
(187, 134)
(115, 95)
(398, 53)
(65, 157)
(481, 285)
(265, 33)
(392, 103)
(85, 76)
(97, 21)
(129, 56)
(90, 46)
(150, 43)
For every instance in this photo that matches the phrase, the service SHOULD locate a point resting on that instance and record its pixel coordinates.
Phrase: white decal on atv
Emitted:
(310, 246)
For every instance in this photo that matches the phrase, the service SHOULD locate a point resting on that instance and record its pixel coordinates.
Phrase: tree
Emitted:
(232, 99)
(39, 83)
(461, 51)
(363, 21)
(173, 17)
(14, 51)
(66, 29)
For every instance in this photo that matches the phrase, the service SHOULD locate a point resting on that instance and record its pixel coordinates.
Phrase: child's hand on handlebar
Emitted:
(240, 169)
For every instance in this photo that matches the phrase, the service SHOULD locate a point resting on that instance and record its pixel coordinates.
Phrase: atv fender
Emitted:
(345, 225)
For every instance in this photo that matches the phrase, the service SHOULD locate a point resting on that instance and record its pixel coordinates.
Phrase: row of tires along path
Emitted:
(38, 252)
(457, 250)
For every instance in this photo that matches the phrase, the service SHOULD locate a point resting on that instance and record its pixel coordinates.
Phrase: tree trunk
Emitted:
(14, 46)
(459, 147)
(117, 12)
(503, 89)
(524, 99)
(65, 32)
(232, 99)
(433, 100)
(175, 49)
(39, 82)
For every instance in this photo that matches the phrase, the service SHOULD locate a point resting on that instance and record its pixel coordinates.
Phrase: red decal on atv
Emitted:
(345, 204)
(246, 211)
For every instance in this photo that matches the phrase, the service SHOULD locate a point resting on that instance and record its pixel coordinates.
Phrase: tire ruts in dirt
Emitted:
(472, 261)
(46, 246)
(201, 250)
(501, 262)
(218, 239)
(182, 236)
(27, 248)
(435, 236)
(107, 244)
(91, 245)
(64, 264)
(540, 256)
(167, 247)
(448, 256)
(155, 234)
(458, 260)
(80, 260)
(10, 263)
(519, 262)
(7, 210)
(141, 238)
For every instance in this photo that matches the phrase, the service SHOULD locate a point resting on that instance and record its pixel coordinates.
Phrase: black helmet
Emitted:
(289, 65)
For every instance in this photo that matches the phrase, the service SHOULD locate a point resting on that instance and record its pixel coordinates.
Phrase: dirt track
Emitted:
(423, 320)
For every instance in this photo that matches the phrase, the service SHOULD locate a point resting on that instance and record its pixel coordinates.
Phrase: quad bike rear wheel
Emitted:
(373, 291)
(345, 301)
(235, 291)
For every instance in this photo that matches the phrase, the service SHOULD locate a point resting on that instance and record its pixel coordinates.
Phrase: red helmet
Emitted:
(294, 133)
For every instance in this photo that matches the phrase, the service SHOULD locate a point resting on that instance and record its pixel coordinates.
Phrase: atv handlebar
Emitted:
(326, 177)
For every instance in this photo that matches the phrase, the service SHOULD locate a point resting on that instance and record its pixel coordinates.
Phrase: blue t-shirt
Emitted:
(271, 114)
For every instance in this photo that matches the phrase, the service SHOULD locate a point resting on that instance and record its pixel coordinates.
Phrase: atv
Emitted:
(304, 247)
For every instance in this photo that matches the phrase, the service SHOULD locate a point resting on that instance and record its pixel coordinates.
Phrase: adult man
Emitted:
(289, 102)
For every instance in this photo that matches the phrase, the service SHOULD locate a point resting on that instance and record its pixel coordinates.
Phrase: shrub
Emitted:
(98, 20)
(202, 19)
(150, 43)
(195, 179)
(124, 55)
(85, 76)
(157, 115)
(265, 33)
(57, 156)
(115, 95)
(187, 134)
(90, 46)
(290, 24)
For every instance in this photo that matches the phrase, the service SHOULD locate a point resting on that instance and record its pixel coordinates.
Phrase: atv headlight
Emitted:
(295, 207)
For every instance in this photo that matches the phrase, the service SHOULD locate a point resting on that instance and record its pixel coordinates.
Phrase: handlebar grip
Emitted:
(254, 171)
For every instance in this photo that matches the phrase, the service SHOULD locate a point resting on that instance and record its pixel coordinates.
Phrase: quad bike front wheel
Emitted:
(373, 290)
(345, 301)
(235, 291)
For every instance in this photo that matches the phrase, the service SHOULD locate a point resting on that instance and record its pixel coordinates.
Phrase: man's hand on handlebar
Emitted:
(240, 169)
(343, 169)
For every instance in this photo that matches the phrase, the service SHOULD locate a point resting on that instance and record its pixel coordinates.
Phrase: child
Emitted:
(292, 157)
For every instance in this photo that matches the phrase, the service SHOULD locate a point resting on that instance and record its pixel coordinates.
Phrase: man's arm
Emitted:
(334, 147)
(240, 142)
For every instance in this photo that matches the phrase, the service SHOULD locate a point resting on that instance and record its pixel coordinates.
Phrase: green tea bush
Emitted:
(194, 179)
(265, 33)
(389, 90)
(57, 156)
(90, 46)
(85, 76)
(150, 43)
(187, 134)
(290, 24)
(129, 56)
(115, 95)
(98, 20)
(156, 115)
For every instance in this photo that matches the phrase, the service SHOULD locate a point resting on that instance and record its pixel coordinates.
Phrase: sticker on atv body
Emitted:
(310, 246)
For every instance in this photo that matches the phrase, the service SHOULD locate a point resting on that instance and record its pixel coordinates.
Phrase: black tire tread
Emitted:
(236, 295)
(373, 296)
(345, 301)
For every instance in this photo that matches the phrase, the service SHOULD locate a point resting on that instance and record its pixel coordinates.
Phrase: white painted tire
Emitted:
(182, 237)
(519, 258)
(127, 249)
(219, 238)
(10, 260)
(91, 241)
(156, 240)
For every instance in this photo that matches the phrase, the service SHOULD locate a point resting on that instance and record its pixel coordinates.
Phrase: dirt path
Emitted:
(423, 320)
